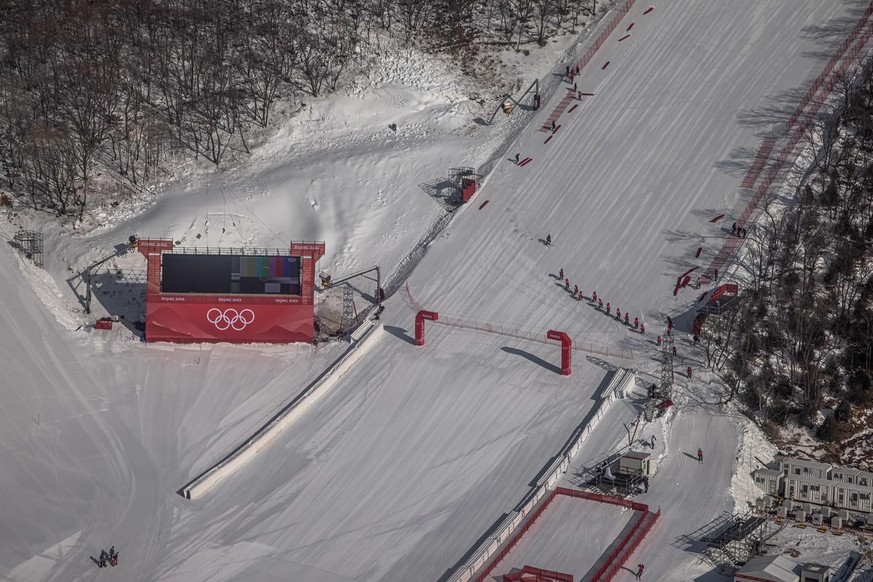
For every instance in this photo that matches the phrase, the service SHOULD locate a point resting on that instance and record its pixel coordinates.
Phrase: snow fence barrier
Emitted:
(495, 546)
(537, 336)
(362, 339)
(548, 86)
(642, 524)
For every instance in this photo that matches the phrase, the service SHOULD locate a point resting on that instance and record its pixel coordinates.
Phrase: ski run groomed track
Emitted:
(417, 451)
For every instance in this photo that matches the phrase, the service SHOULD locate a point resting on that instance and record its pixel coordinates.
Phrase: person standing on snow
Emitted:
(658, 341)
(700, 456)
(600, 304)
(636, 322)
(548, 236)
(640, 569)
(560, 272)
(567, 284)
(594, 296)
(688, 372)
(642, 328)
(607, 308)
(575, 289)
(618, 313)
(626, 318)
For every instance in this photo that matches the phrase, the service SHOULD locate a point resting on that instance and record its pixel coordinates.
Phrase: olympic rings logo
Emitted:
(230, 318)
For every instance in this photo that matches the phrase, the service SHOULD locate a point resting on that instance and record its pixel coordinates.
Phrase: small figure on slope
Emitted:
(600, 304)
(548, 237)
(658, 341)
(594, 296)
(618, 313)
(567, 284)
(688, 372)
(607, 308)
(640, 570)
(642, 328)
(626, 318)
(636, 322)
(561, 274)
(700, 456)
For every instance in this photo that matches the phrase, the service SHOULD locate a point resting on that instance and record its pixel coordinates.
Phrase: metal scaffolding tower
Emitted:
(350, 315)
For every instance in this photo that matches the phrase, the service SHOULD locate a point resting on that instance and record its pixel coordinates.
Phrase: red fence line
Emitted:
(802, 118)
(640, 507)
(829, 67)
(592, 50)
(541, 574)
(589, 54)
(533, 517)
(603, 498)
(627, 546)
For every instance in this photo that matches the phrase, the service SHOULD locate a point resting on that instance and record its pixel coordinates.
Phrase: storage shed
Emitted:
(637, 463)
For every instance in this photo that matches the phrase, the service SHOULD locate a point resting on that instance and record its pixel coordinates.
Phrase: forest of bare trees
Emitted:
(118, 84)
(801, 342)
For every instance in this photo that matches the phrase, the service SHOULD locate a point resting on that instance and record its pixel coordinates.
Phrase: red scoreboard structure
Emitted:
(229, 295)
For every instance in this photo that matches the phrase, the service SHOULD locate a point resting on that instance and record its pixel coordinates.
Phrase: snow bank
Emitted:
(362, 340)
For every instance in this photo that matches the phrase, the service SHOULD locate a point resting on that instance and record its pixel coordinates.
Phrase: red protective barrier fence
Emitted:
(640, 526)
(625, 548)
(730, 288)
(483, 576)
(539, 573)
(592, 50)
(586, 58)
(799, 123)
(602, 498)
(537, 336)
(820, 80)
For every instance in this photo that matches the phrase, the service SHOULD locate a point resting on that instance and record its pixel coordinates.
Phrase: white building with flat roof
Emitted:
(818, 483)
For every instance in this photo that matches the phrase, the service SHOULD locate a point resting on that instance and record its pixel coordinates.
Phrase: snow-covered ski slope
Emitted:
(628, 184)
(418, 451)
(626, 188)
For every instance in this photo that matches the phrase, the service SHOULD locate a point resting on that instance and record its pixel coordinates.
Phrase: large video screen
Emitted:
(230, 274)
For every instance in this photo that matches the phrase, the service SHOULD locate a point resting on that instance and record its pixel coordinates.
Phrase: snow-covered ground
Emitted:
(416, 452)
(570, 536)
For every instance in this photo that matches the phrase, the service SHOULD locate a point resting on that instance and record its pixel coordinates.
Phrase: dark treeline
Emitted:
(117, 84)
(803, 339)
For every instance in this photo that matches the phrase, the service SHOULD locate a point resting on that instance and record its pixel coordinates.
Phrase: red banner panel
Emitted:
(214, 319)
